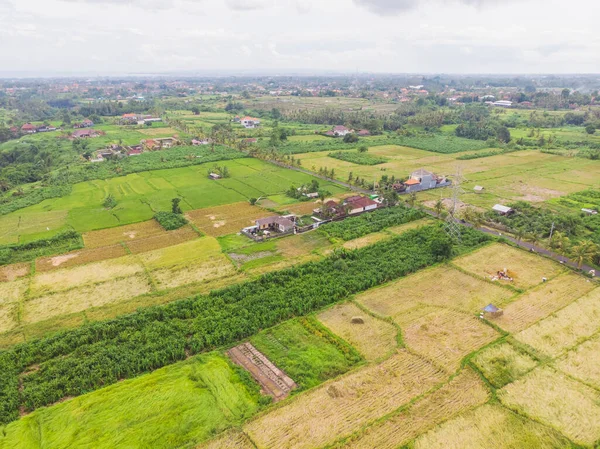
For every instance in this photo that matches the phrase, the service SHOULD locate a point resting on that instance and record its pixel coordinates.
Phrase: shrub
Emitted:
(170, 221)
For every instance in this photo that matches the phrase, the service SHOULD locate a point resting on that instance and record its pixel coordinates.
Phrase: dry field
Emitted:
(367, 240)
(550, 397)
(82, 298)
(11, 272)
(233, 439)
(503, 363)
(79, 257)
(401, 229)
(490, 427)
(304, 208)
(525, 268)
(228, 219)
(111, 236)
(204, 248)
(446, 336)
(69, 278)
(373, 338)
(542, 301)
(13, 291)
(583, 362)
(158, 132)
(164, 240)
(464, 392)
(565, 328)
(302, 244)
(338, 408)
(8, 319)
(203, 271)
(440, 286)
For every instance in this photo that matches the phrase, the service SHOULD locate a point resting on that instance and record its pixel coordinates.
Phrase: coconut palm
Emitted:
(439, 207)
(585, 251)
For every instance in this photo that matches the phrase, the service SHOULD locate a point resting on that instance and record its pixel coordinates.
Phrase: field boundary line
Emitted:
(386, 319)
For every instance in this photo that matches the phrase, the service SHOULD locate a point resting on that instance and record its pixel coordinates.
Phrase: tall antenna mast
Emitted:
(452, 225)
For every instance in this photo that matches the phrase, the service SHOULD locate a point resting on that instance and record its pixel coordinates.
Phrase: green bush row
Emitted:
(60, 243)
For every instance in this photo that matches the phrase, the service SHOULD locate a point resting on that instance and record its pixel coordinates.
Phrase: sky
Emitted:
(109, 37)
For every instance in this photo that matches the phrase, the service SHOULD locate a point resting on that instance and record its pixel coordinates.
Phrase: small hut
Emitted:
(478, 189)
(492, 311)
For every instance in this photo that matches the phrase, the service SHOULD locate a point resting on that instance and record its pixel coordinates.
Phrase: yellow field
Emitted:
(111, 236)
(11, 272)
(367, 240)
(304, 208)
(542, 301)
(164, 240)
(566, 327)
(490, 427)
(158, 132)
(228, 219)
(203, 271)
(82, 298)
(203, 248)
(502, 364)
(229, 440)
(373, 339)
(338, 408)
(583, 362)
(552, 398)
(79, 257)
(12, 291)
(440, 286)
(65, 279)
(525, 268)
(8, 317)
(461, 394)
(446, 336)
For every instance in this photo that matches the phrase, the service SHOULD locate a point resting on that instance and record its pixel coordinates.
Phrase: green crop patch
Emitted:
(358, 158)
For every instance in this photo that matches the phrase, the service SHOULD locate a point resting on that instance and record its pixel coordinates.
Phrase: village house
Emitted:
(358, 204)
(28, 128)
(340, 131)
(87, 123)
(424, 180)
(279, 224)
(198, 142)
(214, 176)
(84, 133)
(502, 210)
(250, 122)
(364, 133)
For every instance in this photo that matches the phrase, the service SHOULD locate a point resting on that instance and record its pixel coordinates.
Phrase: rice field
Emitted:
(401, 229)
(201, 271)
(565, 328)
(79, 257)
(446, 336)
(491, 426)
(463, 393)
(11, 272)
(440, 286)
(526, 269)
(503, 363)
(367, 240)
(234, 439)
(562, 403)
(13, 291)
(203, 248)
(373, 338)
(128, 233)
(583, 362)
(229, 219)
(164, 240)
(338, 408)
(8, 317)
(542, 301)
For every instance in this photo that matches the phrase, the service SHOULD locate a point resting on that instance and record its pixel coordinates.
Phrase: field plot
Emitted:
(203, 248)
(111, 236)
(491, 426)
(13, 291)
(440, 286)
(158, 241)
(503, 363)
(229, 440)
(82, 298)
(177, 406)
(372, 337)
(199, 271)
(11, 272)
(338, 408)
(8, 314)
(583, 362)
(223, 220)
(367, 240)
(464, 392)
(302, 244)
(525, 268)
(540, 302)
(68, 278)
(552, 398)
(409, 226)
(566, 327)
(79, 257)
(446, 336)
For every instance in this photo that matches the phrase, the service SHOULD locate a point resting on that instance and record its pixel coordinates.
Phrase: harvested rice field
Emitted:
(583, 362)
(503, 363)
(526, 269)
(441, 286)
(336, 409)
(552, 398)
(565, 328)
(464, 392)
(82, 298)
(128, 233)
(203, 271)
(367, 240)
(11, 272)
(8, 319)
(80, 257)
(446, 336)
(164, 240)
(542, 301)
(401, 229)
(372, 337)
(234, 439)
(13, 291)
(204, 248)
(229, 219)
(491, 426)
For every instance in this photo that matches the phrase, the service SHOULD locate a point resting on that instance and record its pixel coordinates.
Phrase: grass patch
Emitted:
(358, 158)
(503, 363)
(60, 243)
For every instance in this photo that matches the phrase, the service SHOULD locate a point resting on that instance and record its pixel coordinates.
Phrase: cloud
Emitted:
(387, 7)
(247, 5)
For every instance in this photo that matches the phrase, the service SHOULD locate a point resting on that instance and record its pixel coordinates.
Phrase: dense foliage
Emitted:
(25, 252)
(169, 220)
(98, 354)
(358, 158)
(354, 227)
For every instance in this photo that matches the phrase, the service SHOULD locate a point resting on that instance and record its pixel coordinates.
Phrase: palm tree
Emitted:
(439, 207)
(586, 250)
(519, 234)
(533, 238)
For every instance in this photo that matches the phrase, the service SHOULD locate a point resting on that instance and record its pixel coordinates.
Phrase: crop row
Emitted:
(358, 158)
(98, 354)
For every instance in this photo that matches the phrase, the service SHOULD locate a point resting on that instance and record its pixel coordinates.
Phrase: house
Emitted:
(134, 152)
(340, 131)
(502, 210)
(250, 122)
(237, 119)
(502, 103)
(424, 180)
(14, 129)
(150, 144)
(28, 128)
(214, 176)
(589, 211)
(166, 142)
(45, 128)
(198, 142)
(478, 189)
(84, 133)
(358, 204)
(364, 133)
(87, 123)
(279, 224)
(250, 141)
(330, 133)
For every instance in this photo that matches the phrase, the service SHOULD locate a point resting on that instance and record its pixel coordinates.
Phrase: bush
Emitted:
(170, 221)
(25, 252)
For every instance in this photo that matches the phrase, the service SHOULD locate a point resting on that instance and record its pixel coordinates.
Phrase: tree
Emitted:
(583, 252)
(590, 129)
(503, 134)
(519, 234)
(441, 247)
(350, 138)
(363, 149)
(323, 194)
(195, 110)
(253, 201)
(439, 207)
(175, 208)
(109, 202)
(412, 199)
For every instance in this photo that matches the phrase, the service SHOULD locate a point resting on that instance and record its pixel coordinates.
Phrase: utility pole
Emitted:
(452, 226)
(551, 231)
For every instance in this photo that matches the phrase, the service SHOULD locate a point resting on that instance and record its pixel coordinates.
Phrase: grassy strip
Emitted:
(358, 158)
(26, 252)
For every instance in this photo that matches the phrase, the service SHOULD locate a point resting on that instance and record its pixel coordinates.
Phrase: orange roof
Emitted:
(412, 182)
